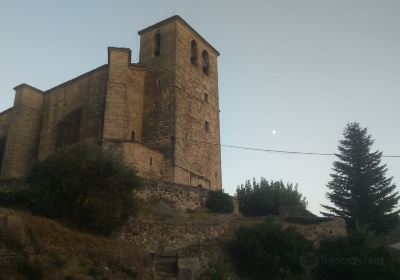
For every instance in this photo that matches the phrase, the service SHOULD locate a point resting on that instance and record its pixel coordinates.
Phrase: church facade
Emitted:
(162, 113)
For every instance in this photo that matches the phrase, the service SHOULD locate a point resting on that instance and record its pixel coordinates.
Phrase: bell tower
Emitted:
(181, 106)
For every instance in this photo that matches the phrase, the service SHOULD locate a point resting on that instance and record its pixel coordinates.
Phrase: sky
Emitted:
(301, 68)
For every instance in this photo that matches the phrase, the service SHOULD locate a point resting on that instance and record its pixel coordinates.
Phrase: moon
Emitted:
(274, 132)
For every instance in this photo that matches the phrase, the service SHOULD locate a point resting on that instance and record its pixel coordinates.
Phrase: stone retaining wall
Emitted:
(157, 236)
(333, 227)
(180, 196)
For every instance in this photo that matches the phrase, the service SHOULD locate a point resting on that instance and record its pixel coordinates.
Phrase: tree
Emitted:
(359, 189)
(265, 198)
(83, 186)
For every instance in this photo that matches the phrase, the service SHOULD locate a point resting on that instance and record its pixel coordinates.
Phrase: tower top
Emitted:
(181, 20)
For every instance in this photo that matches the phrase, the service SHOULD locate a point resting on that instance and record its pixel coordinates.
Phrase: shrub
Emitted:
(219, 202)
(218, 271)
(84, 187)
(265, 198)
(355, 257)
(266, 251)
(30, 270)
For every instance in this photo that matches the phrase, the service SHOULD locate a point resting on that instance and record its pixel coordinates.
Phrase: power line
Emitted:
(270, 150)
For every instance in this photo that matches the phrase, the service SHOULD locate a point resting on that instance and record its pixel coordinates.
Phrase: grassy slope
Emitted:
(45, 247)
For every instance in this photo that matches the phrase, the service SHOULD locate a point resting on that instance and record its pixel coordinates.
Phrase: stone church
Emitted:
(160, 112)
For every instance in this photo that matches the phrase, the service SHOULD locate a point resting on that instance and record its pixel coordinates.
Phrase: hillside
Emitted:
(31, 247)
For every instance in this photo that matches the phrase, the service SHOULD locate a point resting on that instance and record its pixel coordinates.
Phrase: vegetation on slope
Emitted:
(219, 202)
(82, 186)
(41, 248)
(267, 251)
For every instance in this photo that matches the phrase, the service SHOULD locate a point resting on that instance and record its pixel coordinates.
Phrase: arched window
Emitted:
(194, 53)
(206, 64)
(133, 135)
(157, 44)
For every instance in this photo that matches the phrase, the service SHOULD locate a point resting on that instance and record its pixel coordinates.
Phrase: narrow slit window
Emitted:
(206, 97)
(207, 126)
(194, 53)
(206, 63)
(151, 161)
(133, 135)
(157, 44)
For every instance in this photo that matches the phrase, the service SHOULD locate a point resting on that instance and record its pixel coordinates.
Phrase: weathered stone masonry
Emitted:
(155, 112)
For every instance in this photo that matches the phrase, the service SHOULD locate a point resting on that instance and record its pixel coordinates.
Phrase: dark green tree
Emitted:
(359, 189)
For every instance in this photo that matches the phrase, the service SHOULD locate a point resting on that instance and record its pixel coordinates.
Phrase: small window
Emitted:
(194, 53)
(155, 105)
(133, 135)
(190, 105)
(157, 44)
(206, 63)
(151, 161)
(207, 126)
(206, 97)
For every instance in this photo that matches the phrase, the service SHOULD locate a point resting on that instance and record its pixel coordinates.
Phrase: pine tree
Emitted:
(359, 189)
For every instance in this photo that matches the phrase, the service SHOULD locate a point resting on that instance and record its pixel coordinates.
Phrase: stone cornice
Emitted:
(28, 86)
(6, 111)
(98, 69)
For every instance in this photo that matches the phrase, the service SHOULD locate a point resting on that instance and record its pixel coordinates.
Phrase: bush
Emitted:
(84, 187)
(30, 270)
(220, 202)
(218, 271)
(355, 257)
(264, 198)
(266, 251)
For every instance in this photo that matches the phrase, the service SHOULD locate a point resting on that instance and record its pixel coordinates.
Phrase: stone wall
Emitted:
(147, 161)
(84, 95)
(4, 124)
(179, 196)
(181, 99)
(320, 229)
(197, 244)
(159, 237)
(197, 103)
(23, 135)
(159, 104)
(123, 115)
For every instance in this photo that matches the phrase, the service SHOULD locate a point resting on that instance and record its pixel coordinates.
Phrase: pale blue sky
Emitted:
(303, 68)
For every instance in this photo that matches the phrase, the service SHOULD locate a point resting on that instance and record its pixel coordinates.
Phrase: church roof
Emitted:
(178, 18)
